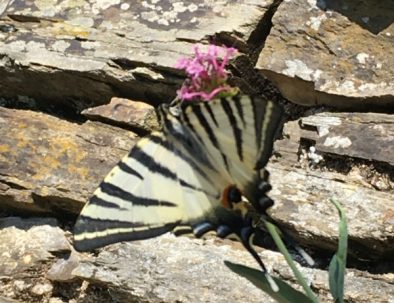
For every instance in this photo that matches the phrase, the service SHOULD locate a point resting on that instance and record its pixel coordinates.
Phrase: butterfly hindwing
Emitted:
(151, 190)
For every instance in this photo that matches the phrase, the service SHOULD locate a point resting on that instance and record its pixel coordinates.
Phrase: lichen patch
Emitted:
(338, 142)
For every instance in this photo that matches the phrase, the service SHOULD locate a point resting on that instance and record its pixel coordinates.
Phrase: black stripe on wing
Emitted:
(86, 225)
(258, 114)
(208, 130)
(240, 110)
(171, 148)
(152, 165)
(95, 200)
(117, 192)
(271, 119)
(210, 112)
(184, 136)
(127, 169)
(233, 122)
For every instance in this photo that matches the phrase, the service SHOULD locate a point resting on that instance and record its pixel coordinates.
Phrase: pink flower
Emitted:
(206, 74)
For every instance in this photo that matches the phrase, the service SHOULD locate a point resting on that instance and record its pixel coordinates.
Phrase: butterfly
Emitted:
(203, 172)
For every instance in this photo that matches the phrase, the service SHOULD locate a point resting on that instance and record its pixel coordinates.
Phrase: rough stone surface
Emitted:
(307, 174)
(51, 165)
(25, 244)
(352, 134)
(339, 53)
(184, 270)
(91, 51)
(339, 134)
(62, 57)
(67, 161)
(138, 116)
(302, 207)
(61, 270)
(177, 270)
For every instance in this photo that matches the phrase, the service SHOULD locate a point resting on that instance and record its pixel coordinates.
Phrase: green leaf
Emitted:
(286, 293)
(338, 262)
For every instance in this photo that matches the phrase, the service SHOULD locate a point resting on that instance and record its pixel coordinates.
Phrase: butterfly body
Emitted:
(204, 170)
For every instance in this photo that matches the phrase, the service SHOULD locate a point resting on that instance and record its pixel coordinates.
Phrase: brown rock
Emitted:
(135, 115)
(41, 289)
(332, 52)
(51, 165)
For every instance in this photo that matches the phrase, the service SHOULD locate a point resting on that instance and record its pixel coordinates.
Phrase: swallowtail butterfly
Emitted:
(204, 171)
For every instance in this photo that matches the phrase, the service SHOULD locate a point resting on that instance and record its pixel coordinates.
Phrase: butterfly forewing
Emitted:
(237, 134)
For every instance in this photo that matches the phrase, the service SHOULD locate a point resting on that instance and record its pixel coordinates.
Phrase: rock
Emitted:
(27, 248)
(352, 134)
(350, 168)
(41, 289)
(27, 243)
(20, 285)
(332, 52)
(168, 269)
(61, 270)
(65, 58)
(138, 116)
(7, 300)
(90, 51)
(302, 208)
(51, 165)
(339, 134)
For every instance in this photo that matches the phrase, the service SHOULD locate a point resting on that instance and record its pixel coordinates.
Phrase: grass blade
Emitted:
(338, 262)
(274, 232)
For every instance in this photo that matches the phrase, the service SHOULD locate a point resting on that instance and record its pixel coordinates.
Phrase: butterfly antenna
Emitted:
(247, 235)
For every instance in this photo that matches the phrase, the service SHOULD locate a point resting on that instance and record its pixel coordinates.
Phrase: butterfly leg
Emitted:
(246, 235)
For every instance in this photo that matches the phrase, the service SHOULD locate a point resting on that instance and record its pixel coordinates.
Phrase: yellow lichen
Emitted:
(4, 148)
(64, 29)
(82, 172)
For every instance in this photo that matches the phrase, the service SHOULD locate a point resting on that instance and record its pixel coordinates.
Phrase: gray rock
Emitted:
(302, 207)
(168, 269)
(41, 289)
(332, 52)
(304, 182)
(61, 270)
(27, 243)
(91, 51)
